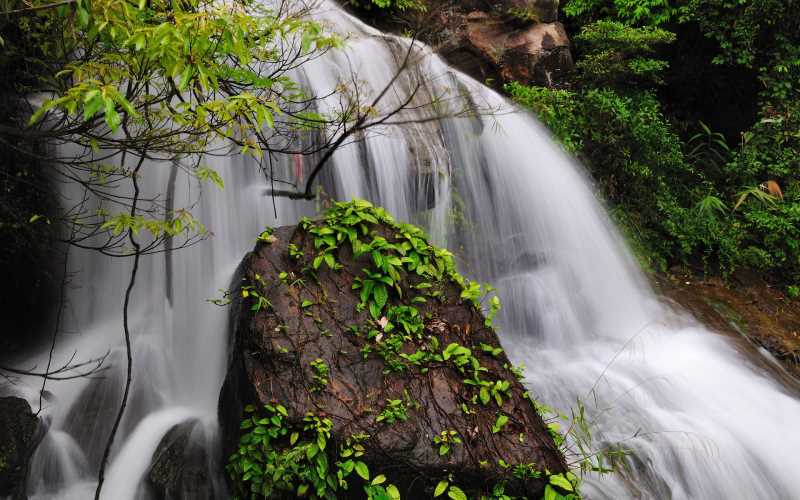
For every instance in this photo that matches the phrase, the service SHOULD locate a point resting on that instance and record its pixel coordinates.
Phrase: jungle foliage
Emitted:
(687, 114)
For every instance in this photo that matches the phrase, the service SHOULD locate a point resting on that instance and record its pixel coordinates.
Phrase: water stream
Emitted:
(703, 421)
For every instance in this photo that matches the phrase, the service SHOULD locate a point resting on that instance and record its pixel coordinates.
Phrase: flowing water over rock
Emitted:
(702, 420)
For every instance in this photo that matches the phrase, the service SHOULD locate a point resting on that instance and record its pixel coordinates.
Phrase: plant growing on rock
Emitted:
(400, 334)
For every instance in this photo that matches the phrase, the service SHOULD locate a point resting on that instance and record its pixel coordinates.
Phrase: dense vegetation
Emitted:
(687, 114)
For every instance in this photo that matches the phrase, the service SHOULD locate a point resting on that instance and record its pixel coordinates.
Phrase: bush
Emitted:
(618, 56)
(628, 146)
(676, 207)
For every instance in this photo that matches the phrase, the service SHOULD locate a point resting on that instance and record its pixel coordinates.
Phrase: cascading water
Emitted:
(702, 420)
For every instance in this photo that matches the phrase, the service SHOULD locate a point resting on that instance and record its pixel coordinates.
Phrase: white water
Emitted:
(708, 423)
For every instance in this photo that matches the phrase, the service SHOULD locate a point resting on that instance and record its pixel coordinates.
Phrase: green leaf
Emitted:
(393, 492)
(83, 16)
(440, 488)
(362, 470)
(560, 481)
(381, 295)
(374, 310)
(501, 421)
(550, 493)
(484, 395)
(380, 478)
(456, 493)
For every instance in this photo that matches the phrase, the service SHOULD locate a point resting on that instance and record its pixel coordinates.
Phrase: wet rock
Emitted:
(746, 308)
(18, 438)
(180, 466)
(314, 320)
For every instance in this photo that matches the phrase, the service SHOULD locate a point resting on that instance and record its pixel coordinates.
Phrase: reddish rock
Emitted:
(502, 41)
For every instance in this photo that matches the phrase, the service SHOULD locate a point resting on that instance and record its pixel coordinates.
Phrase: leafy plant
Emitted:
(445, 441)
(321, 373)
(276, 457)
(619, 56)
(394, 411)
(501, 421)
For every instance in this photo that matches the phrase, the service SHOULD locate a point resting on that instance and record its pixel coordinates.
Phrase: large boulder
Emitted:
(386, 346)
(18, 438)
(495, 41)
(534, 53)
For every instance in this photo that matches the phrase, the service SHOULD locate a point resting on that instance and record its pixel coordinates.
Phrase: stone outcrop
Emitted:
(302, 340)
(500, 41)
(18, 438)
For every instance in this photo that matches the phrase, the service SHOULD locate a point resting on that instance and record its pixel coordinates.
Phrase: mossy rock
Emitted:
(359, 322)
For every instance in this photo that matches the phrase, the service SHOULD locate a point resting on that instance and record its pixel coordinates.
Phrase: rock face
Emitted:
(536, 53)
(180, 466)
(18, 432)
(402, 379)
(501, 41)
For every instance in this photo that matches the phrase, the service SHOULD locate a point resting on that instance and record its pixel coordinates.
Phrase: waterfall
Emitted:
(701, 418)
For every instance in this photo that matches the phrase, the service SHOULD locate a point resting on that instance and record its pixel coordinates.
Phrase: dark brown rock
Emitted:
(271, 362)
(18, 439)
(180, 467)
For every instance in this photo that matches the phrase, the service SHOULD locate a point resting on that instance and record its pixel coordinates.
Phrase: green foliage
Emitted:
(396, 5)
(631, 12)
(445, 441)
(320, 374)
(501, 421)
(125, 81)
(618, 56)
(678, 202)
(251, 292)
(682, 192)
(394, 411)
(277, 457)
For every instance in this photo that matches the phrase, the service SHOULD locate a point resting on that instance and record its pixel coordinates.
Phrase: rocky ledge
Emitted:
(746, 308)
(362, 364)
(494, 41)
